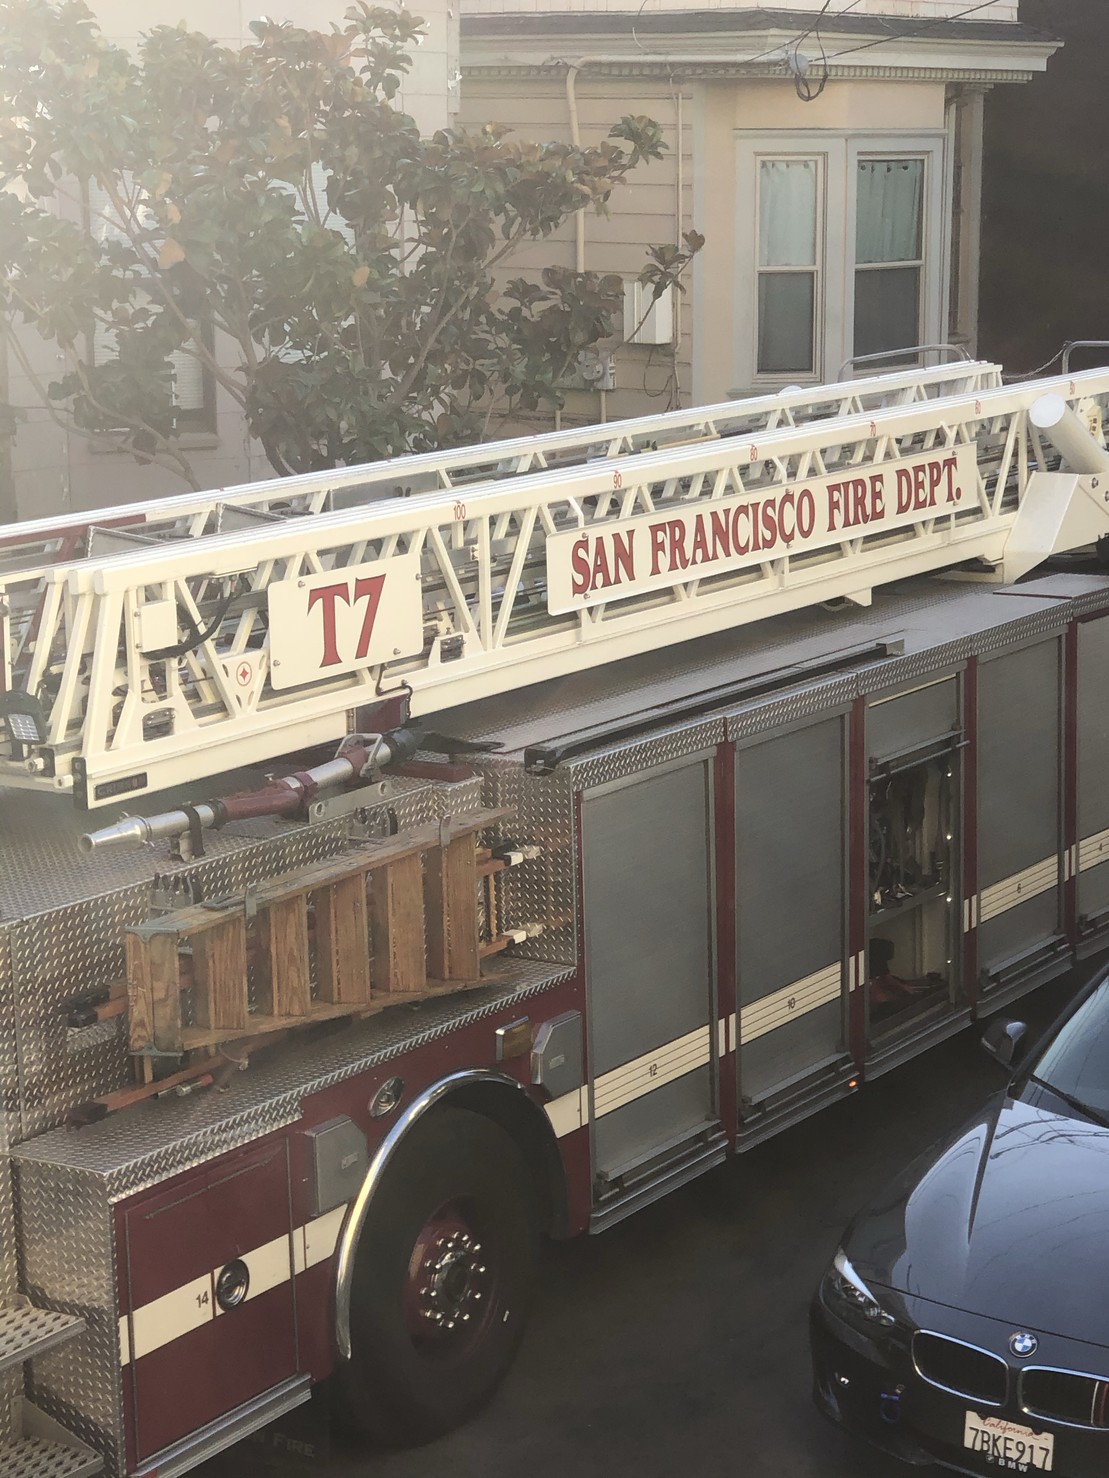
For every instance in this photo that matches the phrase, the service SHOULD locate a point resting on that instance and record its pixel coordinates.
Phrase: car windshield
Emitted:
(1076, 1063)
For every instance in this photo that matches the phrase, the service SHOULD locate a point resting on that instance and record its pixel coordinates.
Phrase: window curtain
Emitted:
(888, 215)
(787, 213)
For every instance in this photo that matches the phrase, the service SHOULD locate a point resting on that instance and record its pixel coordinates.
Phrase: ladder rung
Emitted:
(27, 1332)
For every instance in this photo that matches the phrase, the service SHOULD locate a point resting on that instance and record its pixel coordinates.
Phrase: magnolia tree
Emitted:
(269, 214)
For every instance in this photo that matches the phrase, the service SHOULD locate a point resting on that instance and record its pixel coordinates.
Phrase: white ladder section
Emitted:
(27, 547)
(144, 670)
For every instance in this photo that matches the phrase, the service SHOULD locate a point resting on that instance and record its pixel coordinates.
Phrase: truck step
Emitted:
(35, 1458)
(26, 1332)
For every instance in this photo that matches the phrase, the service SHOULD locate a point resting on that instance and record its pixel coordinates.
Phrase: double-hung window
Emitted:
(790, 220)
(842, 251)
(889, 253)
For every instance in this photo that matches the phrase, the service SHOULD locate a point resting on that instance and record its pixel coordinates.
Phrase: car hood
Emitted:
(1009, 1219)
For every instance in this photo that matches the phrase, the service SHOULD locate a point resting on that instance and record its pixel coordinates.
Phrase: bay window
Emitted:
(843, 250)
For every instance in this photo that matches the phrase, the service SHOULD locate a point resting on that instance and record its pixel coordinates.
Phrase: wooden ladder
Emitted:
(398, 920)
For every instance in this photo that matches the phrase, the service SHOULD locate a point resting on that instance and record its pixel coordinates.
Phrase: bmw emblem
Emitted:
(1023, 1344)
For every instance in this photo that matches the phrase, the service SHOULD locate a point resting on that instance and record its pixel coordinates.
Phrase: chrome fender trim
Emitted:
(352, 1227)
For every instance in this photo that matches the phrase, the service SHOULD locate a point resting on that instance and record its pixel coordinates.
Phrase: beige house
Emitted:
(830, 155)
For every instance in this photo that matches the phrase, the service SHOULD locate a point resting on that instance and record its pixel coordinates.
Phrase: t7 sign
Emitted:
(345, 619)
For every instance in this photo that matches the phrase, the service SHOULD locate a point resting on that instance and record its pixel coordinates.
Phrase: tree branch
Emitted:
(165, 455)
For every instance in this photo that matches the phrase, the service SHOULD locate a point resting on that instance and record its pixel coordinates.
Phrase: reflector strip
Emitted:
(790, 1002)
(176, 1313)
(1030, 883)
(654, 1069)
(186, 1308)
(569, 1112)
(1093, 849)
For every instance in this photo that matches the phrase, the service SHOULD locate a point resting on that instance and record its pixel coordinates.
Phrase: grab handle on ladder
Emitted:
(1072, 344)
(956, 350)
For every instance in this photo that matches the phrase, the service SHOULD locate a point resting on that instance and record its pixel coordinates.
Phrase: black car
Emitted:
(965, 1319)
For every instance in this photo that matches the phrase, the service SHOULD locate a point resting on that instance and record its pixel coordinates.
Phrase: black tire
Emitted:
(413, 1375)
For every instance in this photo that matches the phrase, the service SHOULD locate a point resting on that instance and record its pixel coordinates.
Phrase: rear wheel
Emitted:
(442, 1279)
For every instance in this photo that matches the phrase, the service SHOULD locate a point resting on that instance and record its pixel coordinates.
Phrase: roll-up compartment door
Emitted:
(790, 851)
(905, 721)
(647, 848)
(1019, 728)
(1093, 770)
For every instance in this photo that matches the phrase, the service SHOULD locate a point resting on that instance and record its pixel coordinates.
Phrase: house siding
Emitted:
(643, 212)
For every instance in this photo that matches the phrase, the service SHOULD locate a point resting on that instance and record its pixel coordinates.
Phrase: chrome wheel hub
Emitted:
(452, 1282)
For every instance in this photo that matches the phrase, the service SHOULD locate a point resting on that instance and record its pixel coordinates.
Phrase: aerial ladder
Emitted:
(40, 542)
(219, 643)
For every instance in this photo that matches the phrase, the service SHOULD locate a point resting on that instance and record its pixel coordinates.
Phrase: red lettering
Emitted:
(579, 563)
(790, 498)
(835, 506)
(739, 547)
(904, 489)
(658, 546)
(327, 595)
(625, 557)
(859, 511)
(920, 488)
(806, 513)
(700, 554)
(769, 523)
(678, 558)
(877, 497)
(600, 574)
(369, 588)
(721, 536)
(935, 473)
(953, 493)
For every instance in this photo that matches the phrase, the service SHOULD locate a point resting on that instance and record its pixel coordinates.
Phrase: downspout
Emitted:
(679, 222)
(579, 215)
(575, 138)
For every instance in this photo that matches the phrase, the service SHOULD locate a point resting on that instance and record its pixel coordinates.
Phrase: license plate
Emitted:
(1008, 1445)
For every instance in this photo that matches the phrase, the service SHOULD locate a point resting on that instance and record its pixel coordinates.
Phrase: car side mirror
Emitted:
(1003, 1039)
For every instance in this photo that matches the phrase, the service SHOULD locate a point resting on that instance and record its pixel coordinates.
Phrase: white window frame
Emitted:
(819, 247)
(840, 153)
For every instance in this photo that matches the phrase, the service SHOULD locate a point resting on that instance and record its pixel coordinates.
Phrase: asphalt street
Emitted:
(676, 1342)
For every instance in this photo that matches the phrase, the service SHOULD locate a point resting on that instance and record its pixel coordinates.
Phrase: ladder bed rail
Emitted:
(453, 597)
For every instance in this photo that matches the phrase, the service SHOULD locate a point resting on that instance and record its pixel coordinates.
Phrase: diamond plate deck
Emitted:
(27, 1332)
(33, 1458)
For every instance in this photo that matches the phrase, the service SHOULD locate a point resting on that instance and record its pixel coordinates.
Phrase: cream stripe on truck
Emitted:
(184, 1309)
(1029, 883)
(644, 1074)
(790, 1002)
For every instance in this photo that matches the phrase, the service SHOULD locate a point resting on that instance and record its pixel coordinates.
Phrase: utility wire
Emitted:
(785, 46)
(918, 31)
(865, 45)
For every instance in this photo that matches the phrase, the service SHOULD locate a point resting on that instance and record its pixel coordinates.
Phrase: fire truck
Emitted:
(403, 863)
